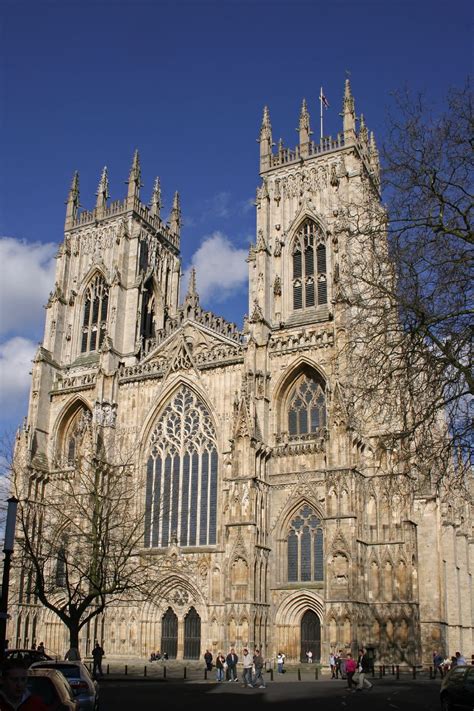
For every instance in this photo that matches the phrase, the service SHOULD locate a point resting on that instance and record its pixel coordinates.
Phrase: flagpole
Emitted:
(321, 109)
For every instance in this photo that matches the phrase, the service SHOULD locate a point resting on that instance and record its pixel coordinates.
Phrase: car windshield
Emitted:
(70, 671)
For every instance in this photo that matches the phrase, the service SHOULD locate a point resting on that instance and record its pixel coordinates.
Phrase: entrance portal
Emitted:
(192, 635)
(169, 634)
(310, 636)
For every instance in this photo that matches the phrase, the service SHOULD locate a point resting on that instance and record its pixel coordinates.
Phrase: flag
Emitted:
(324, 101)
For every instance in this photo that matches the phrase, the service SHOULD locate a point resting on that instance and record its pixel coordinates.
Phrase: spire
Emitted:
(363, 133)
(265, 140)
(374, 156)
(175, 217)
(155, 205)
(134, 178)
(72, 204)
(102, 191)
(304, 130)
(192, 296)
(348, 112)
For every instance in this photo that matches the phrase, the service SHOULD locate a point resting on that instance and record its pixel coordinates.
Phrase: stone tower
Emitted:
(269, 513)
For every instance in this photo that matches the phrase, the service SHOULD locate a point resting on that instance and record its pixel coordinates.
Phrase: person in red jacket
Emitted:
(14, 695)
(351, 666)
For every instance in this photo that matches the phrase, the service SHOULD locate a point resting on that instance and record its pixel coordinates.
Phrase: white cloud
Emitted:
(27, 277)
(221, 269)
(217, 206)
(15, 365)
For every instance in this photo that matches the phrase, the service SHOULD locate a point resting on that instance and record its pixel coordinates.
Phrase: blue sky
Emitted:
(85, 83)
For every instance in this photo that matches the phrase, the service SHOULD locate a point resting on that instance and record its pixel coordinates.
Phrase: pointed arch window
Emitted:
(306, 407)
(181, 485)
(74, 434)
(309, 267)
(94, 322)
(305, 547)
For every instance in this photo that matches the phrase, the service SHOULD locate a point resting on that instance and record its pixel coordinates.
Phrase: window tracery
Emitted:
(74, 435)
(305, 547)
(94, 322)
(181, 483)
(309, 267)
(306, 407)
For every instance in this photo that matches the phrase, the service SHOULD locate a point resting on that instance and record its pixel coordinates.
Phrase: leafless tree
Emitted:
(408, 291)
(80, 530)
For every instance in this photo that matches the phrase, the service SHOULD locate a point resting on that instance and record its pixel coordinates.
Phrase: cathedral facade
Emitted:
(269, 518)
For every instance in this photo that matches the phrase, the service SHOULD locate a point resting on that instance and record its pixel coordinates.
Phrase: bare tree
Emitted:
(80, 530)
(408, 292)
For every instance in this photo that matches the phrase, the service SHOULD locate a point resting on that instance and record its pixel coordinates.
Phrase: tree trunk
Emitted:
(74, 638)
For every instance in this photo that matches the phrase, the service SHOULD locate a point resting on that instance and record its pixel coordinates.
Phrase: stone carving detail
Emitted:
(105, 414)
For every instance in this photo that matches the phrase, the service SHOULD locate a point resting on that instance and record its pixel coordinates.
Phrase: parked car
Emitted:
(84, 687)
(457, 689)
(53, 688)
(28, 656)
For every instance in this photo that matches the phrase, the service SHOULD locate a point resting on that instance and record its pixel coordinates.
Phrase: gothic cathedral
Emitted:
(267, 521)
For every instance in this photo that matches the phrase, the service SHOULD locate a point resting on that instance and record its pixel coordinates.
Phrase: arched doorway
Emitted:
(169, 634)
(310, 636)
(192, 635)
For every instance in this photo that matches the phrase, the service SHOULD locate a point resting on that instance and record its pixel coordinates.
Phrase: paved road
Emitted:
(138, 695)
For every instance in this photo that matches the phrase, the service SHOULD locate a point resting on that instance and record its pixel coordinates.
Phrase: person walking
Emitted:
(258, 664)
(332, 665)
(351, 667)
(247, 660)
(208, 659)
(220, 666)
(438, 664)
(280, 662)
(97, 655)
(232, 660)
(363, 667)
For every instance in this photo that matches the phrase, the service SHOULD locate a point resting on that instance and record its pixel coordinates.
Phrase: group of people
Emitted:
(156, 656)
(443, 664)
(226, 667)
(337, 664)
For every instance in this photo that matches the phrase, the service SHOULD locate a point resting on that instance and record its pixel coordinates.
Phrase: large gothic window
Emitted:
(309, 267)
(181, 485)
(306, 407)
(94, 322)
(305, 547)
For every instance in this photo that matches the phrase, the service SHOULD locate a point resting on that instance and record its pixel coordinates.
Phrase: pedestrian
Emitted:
(280, 662)
(220, 667)
(247, 660)
(97, 655)
(332, 665)
(232, 660)
(258, 664)
(363, 667)
(342, 664)
(14, 694)
(460, 659)
(208, 660)
(351, 667)
(438, 664)
(309, 656)
(72, 654)
(337, 663)
(40, 648)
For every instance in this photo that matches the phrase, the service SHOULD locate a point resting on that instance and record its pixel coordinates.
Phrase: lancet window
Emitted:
(181, 483)
(148, 312)
(306, 407)
(309, 267)
(305, 547)
(74, 435)
(96, 301)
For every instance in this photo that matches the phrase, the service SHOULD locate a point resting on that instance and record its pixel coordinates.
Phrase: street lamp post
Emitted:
(8, 550)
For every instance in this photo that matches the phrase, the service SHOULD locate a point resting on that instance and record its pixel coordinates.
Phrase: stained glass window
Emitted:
(94, 323)
(305, 547)
(307, 407)
(309, 269)
(181, 483)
